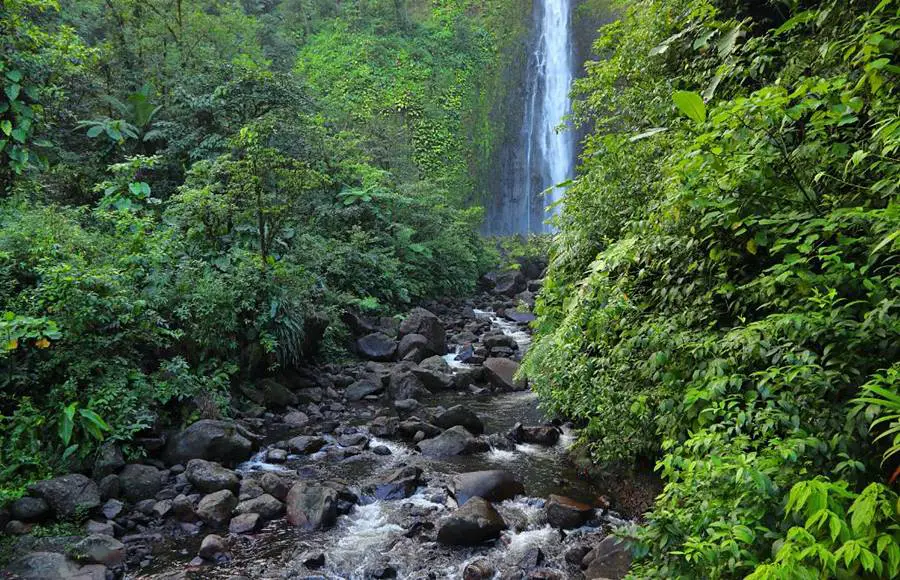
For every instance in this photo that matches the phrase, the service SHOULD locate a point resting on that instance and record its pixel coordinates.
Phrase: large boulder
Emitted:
(501, 372)
(29, 509)
(311, 506)
(68, 495)
(421, 321)
(265, 505)
(46, 566)
(207, 476)
(461, 416)
(564, 512)
(475, 522)
(109, 460)
(270, 393)
(609, 559)
(377, 346)
(509, 283)
(100, 549)
(363, 388)
(215, 509)
(539, 435)
(305, 444)
(435, 374)
(413, 347)
(453, 441)
(404, 384)
(221, 441)
(492, 485)
(138, 482)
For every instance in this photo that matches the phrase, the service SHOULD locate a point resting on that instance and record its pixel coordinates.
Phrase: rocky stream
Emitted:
(427, 458)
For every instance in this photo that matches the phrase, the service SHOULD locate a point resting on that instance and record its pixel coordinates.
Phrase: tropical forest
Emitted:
(425, 289)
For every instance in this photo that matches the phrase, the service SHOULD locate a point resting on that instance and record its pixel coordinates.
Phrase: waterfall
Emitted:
(540, 156)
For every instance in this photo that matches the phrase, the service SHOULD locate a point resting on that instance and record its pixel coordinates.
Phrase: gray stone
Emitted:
(244, 523)
(453, 441)
(421, 321)
(377, 346)
(265, 505)
(610, 559)
(112, 508)
(363, 388)
(274, 486)
(565, 512)
(29, 509)
(221, 441)
(215, 509)
(311, 506)
(207, 476)
(475, 522)
(212, 545)
(399, 484)
(44, 566)
(109, 460)
(500, 372)
(100, 549)
(305, 444)
(68, 495)
(459, 416)
(140, 482)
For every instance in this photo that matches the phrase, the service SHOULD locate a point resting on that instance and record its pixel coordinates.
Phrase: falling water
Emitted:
(556, 63)
(541, 156)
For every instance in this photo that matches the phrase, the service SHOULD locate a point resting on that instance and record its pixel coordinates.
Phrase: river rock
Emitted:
(540, 435)
(212, 545)
(207, 476)
(29, 509)
(492, 485)
(68, 495)
(265, 505)
(384, 426)
(274, 486)
(434, 380)
(377, 347)
(363, 388)
(109, 460)
(413, 347)
(499, 340)
(112, 508)
(138, 482)
(296, 419)
(221, 441)
(462, 416)
(500, 372)
(215, 509)
(183, 509)
(250, 488)
(509, 283)
(311, 506)
(404, 384)
(270, 393)
(425, 323)
(400, 484)
(475, 522)
(454, 441)
(610, 559)
(480, 569)
(46, 566)
(566, 513)
(306, 444)
(100, 549)
(520, 316)
(244, 523)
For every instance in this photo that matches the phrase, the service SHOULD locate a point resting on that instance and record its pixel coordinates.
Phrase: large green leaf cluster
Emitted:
(727, 271)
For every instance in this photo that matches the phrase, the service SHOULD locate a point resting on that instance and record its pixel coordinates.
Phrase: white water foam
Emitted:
(258, 463)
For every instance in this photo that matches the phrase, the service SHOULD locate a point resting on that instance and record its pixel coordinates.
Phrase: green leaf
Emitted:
(14, 75)
(691, 104)
(19, 134)
(6, 127)
(94, 131)
(67, 423)
(12, 91)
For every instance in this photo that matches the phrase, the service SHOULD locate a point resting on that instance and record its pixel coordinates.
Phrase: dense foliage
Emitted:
(191, 192)
(726, 271)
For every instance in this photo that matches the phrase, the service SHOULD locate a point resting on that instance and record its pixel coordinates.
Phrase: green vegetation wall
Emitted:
(726, 272)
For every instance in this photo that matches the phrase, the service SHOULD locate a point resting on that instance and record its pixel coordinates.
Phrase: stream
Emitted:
(388, 538)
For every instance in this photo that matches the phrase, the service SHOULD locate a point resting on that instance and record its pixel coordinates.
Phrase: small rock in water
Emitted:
(314, 562)
(384, 572)
(276, 456)
(473, 523)
(381, 450)
(564, 512)
(480, 569)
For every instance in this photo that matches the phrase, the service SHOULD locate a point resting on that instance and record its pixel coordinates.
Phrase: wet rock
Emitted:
(44, 566)
(95, 527)
(466, 377)
(183, 509)
(406, 407)
(540, 435)
(68, 494)
(100, 549)
(461, 416)
(434, 380)
(532, 558)
(162, 507)
(545, 574)
(384, 572)
(140, 481)
(244, 523)
(610, 559)
(492, 485)
(250, 488)
(377, 346)
(211, 546)
(475, 522)
(414, 425)
(576, 554)
(520, 316)
(311, 506)
(480, 569)
(413, 347)
(564, 512)
(207, 476)
(399, 484)
(306, 444)
(265, 505)
(276, 456)
(110, 487)
(381, 450)
(498, 340)
(109, 460)
(384, 426)
(274, 486)
(425, 323)
(145, 506)
(221, 441)
(362, 389)
(313, 561)
(29, 509)
(453, 441)
(215, 509)
(404, 384)
(353, 440)
(500, 372)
